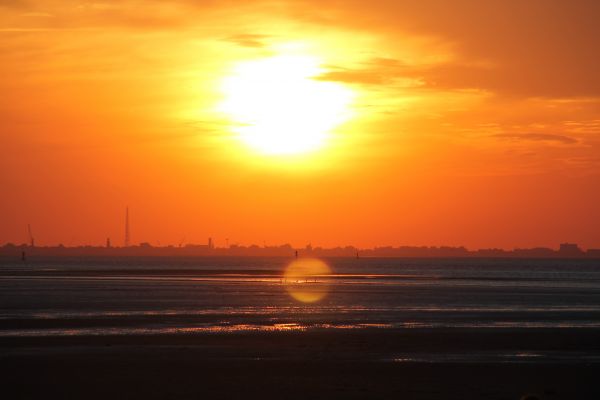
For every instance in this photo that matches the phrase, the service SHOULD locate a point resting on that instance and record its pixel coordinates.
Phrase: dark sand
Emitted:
(366, 363)
(300, 365)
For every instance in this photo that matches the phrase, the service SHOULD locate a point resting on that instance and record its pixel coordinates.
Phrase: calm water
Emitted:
(204, 295)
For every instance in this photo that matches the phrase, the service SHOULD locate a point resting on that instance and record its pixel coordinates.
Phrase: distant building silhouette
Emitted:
(570, 250)
(566, 250)
(595, 253)
(541, 252)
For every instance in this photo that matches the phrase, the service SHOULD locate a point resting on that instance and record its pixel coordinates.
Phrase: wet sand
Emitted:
(225, 329)
(367, 363)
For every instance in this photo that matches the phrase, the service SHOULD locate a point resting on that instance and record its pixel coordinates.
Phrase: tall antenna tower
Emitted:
(31, 240)
(127, 238)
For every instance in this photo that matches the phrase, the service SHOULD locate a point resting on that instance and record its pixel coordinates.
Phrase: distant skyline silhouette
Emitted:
(564, 250)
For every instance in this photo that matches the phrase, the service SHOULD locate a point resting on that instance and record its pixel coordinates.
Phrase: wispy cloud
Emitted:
(375, 71)
(248, 40)
(542, 137)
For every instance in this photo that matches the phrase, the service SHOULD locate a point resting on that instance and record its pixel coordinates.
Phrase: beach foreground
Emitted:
(177, 328)
(424, 364)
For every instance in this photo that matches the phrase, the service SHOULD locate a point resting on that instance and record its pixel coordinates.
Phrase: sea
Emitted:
(95, 296)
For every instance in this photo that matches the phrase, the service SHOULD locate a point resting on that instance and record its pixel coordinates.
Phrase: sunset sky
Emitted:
(357, 122)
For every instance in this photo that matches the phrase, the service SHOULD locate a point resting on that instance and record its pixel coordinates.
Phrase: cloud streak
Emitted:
(248, 40)
(540, 137)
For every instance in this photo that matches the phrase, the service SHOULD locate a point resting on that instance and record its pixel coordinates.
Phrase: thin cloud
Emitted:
(364, 77)
(376, 71)
(248, 40)
(387, 71)
(542, 137)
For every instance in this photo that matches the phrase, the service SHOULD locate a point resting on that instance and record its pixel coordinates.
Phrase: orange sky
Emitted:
(471, 123)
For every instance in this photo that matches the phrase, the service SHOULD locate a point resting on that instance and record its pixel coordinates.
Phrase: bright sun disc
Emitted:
(278, 108)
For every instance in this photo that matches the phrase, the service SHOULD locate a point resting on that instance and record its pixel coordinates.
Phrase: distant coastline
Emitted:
(565, 250)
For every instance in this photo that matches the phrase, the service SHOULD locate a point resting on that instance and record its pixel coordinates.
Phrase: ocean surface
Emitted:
(156, 296)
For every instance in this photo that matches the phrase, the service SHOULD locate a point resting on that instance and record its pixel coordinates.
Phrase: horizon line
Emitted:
(564, 246)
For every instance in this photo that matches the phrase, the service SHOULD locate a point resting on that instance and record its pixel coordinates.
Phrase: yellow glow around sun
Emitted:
(277, 108)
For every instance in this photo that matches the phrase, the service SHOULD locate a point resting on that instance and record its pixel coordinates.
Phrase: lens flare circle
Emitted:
(304, 279)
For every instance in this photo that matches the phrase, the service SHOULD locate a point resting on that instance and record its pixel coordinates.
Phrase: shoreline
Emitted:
(360, 342)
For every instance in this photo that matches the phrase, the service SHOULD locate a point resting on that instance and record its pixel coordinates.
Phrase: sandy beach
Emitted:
(127, 329)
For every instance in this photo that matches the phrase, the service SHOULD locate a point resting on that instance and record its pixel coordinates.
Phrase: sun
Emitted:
(277, 107)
